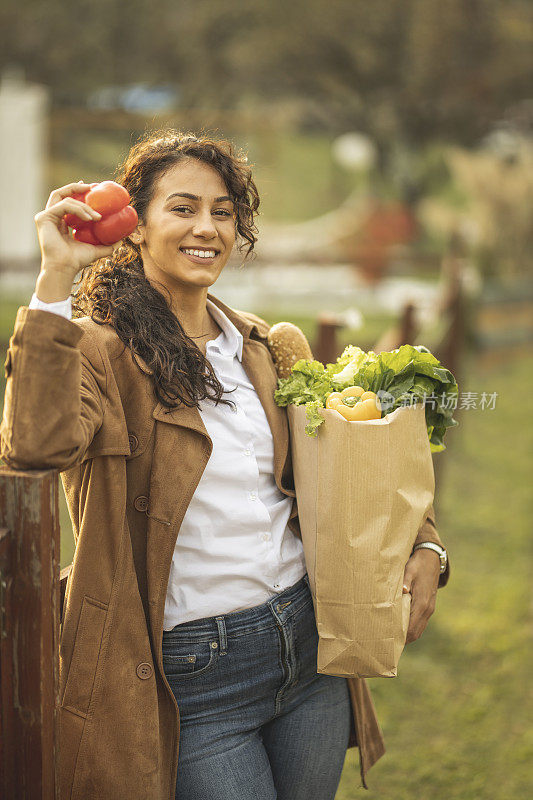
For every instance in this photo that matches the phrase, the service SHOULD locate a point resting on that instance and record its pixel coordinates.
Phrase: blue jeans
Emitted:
(257, 722)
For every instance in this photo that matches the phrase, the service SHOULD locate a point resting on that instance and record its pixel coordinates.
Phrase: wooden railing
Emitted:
(29, 634)
(448, 348)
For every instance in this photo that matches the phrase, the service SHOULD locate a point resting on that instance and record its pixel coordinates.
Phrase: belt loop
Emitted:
(222, 635)
(306, 579)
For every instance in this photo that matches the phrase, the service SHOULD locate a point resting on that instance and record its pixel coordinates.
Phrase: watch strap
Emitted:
(441, 552)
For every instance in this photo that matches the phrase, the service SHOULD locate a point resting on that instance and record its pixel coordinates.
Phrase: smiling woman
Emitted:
(195, 198)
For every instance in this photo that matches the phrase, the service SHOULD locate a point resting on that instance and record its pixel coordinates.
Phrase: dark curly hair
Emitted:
(115, 290)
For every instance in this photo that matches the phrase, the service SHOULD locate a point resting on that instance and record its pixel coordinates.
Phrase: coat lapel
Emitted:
(181, 443)
(262, 374)
(259, 367)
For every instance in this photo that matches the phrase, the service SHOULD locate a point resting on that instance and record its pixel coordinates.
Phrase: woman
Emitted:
(188, 663)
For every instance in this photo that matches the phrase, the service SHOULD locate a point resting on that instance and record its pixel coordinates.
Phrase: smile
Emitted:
(200, 254)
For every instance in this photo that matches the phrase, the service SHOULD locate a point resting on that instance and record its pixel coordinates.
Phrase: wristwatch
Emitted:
(441, 552)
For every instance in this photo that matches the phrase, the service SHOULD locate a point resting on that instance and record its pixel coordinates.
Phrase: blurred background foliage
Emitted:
(441, 91)
(407, 71)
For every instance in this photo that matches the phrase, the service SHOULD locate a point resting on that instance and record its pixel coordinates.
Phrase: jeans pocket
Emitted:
(187, 659)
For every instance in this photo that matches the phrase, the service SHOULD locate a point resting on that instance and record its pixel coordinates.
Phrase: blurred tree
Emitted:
(411, 70)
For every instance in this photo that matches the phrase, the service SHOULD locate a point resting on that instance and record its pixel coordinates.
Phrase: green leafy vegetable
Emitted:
(403, 376)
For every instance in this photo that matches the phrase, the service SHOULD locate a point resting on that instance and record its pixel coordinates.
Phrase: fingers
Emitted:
(420, 580)
(66, 191)
(68, 205)
(417, 626)
(408, 576)
(422, 607)
(102, 251)
(417, 623)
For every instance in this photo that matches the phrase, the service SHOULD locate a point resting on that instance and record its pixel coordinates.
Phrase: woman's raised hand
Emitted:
(62, 256)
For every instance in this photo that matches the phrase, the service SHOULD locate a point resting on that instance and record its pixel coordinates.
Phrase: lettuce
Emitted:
(348, 363)
(403, 376)
(308, 381)
(314, 417)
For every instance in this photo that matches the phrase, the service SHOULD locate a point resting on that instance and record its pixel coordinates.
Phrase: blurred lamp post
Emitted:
(23, 114)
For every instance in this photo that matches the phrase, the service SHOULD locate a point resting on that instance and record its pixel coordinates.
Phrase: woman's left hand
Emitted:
(421, 578)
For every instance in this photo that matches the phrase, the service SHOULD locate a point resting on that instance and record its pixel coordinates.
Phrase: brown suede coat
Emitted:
(76, 401)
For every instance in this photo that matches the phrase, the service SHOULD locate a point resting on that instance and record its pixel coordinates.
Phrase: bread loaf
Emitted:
(287, 345)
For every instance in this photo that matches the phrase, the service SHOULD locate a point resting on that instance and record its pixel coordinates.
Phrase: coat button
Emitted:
(141, 503)
(134, 442)
(144, 670)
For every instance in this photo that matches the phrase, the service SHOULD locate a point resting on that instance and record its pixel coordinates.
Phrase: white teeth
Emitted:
(200, 253)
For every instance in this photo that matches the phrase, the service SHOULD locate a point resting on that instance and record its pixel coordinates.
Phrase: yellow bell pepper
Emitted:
(363, 406)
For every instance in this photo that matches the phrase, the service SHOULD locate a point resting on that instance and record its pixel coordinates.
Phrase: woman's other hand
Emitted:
(62, 256)
(421, 578)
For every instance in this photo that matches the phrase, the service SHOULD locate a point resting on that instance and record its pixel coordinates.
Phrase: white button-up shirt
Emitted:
(234, 548)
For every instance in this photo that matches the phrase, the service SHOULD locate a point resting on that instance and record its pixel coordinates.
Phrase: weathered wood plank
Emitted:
(29, 510)
(7, 777)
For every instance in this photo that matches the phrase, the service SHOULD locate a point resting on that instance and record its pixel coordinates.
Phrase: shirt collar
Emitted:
(230, 341)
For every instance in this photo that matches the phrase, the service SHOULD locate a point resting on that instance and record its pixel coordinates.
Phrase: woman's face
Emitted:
(188, 232)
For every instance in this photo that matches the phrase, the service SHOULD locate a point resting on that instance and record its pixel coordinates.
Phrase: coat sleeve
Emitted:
(54, 398)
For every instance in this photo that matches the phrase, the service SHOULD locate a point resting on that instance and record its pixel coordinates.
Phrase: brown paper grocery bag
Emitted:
(363, 490)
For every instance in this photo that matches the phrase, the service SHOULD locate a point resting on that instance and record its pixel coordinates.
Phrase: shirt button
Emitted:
(247, 452)
(144, 670)
(266, 537)
(253, 496)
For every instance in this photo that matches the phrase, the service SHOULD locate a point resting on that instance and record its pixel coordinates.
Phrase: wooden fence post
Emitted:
(402, 332)
(29, 643)
(325, 346)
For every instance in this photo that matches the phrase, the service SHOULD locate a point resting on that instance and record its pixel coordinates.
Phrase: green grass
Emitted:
(296, 175)
(8, 312)
(365, 337)
(457, 720)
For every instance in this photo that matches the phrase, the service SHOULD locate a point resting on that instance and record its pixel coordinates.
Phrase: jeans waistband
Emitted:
(281, 606)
